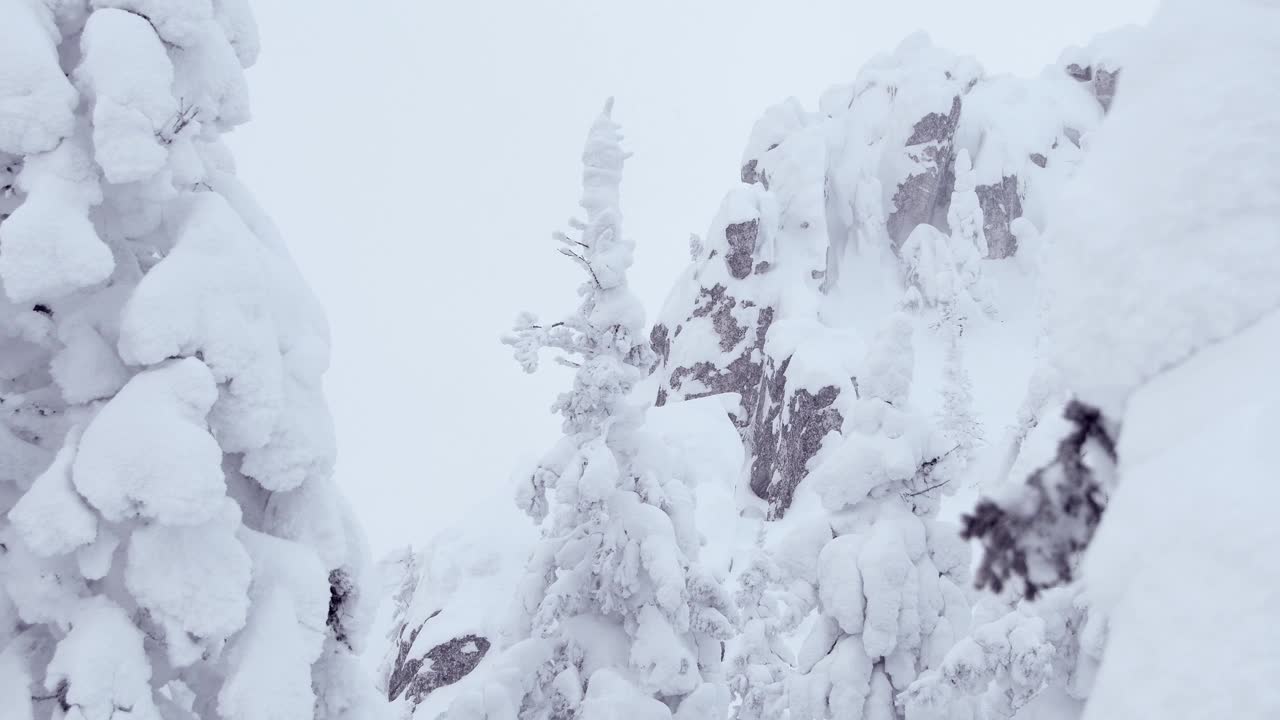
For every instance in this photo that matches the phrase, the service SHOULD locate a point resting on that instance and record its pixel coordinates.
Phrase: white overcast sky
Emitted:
(416, 154)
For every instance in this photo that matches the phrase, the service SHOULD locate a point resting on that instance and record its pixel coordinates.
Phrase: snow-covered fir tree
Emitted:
(772, 609)
(174, 545)
(888, 581)
(1037, 659)
(957, 418)
(617, 619)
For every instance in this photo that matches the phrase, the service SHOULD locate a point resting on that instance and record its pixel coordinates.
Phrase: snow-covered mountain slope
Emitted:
(900, 220)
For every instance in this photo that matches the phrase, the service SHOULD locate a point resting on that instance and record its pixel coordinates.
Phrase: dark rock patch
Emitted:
(1001, 205)
(442, 665)
(784, 443)
(660, 341)
(918, 197)
(742, 246)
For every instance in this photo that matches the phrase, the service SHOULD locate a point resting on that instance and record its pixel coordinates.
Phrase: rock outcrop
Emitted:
(711, 338)
(931, 149)
(443, 664)
(844, 186)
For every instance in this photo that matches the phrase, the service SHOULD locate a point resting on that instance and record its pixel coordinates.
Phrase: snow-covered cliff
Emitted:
(863, 313)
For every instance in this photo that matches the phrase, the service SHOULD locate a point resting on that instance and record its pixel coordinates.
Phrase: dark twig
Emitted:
(931, 487)
(584, 263)
(185, 116)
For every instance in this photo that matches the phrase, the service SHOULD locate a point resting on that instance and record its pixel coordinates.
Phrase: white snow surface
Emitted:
(103, 662)
(37, 102)
(51, 518)
(49, 245)
(128, 77)
(179, 22)
(1167, 238)
(209, 295)
(147, 453)
(192, 579)
(1183, 560)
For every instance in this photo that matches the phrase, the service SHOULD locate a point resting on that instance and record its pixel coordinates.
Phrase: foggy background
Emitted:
(417, 154)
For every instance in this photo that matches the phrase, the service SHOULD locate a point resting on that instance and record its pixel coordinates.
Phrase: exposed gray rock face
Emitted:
(1001, 205)
(1104, 86)
(451, 602)
(752, 173)
(711, 339)
(1101, 79)
(342, 596)
(770, 130)
(924, 195)
(783, 427)
(443, 664)
(741, 238)
(742, 374)
(713, 335)
(787, 436)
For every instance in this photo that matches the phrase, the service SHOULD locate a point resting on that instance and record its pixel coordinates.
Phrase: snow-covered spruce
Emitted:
(887, 574)
(174, 544)
(773, 607)
(617, 618)
(1036, 660)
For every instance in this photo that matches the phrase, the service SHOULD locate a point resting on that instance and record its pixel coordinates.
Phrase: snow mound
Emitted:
(48, 246)
(51, 518)
(126, 74)
(147, 453)
(37, 102)
(1188, 512)
(103, 664)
